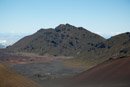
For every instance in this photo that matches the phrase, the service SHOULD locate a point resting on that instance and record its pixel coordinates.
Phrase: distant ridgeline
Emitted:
(68, 40)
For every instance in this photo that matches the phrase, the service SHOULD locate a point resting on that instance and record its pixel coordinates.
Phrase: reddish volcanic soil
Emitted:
(112, 73)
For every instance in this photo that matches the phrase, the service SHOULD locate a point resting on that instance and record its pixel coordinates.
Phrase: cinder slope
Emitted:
(9, 78)
(112, 73)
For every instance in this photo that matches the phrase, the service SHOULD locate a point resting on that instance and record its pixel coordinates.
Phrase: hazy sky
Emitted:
(107, 17)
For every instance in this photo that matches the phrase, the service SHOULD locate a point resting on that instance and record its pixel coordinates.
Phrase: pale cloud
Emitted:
(3, 41)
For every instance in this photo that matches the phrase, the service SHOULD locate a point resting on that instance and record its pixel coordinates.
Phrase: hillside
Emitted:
(111, 73)
(118, 45)
(114, 47)
(8, 78)
(65, 39)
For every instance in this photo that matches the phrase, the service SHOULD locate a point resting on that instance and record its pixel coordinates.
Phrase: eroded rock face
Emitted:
(65, 40)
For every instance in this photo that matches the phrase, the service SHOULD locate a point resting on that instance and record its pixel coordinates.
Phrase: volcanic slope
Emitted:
(117, 46)
(114, 47)
(65, 40)
(111, 73)
(8, 78)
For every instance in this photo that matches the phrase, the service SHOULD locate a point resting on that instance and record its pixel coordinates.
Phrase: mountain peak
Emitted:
(64, 26)
(64, 40)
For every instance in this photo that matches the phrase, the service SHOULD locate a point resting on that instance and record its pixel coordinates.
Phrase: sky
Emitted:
(23, 17)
